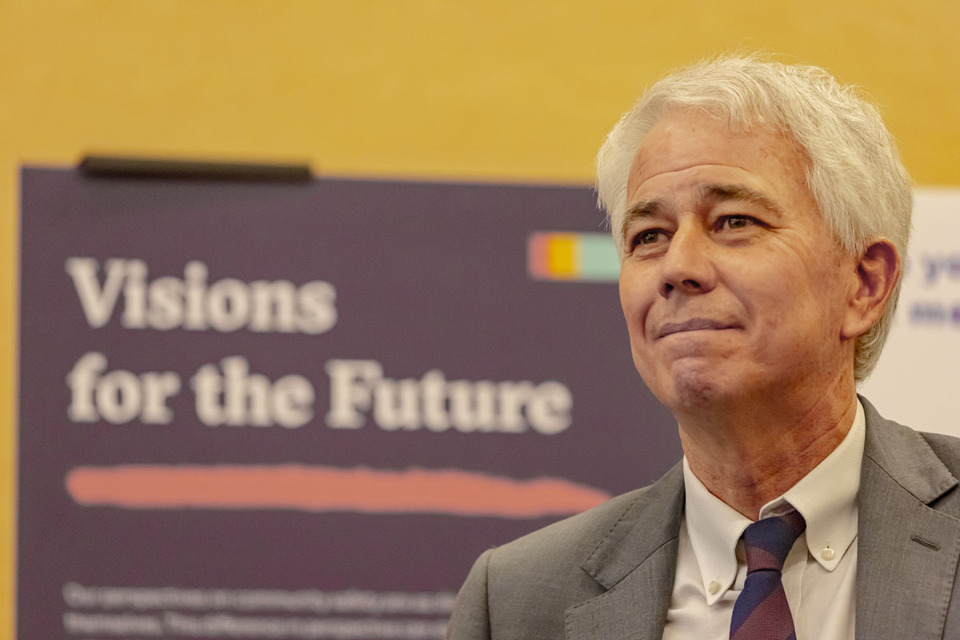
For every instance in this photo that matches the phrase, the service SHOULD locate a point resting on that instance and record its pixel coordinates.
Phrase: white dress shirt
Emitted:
(819, 574)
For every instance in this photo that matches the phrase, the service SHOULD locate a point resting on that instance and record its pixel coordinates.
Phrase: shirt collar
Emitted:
(826, 498)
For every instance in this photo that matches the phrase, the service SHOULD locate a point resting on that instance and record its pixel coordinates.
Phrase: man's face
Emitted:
(732, 287)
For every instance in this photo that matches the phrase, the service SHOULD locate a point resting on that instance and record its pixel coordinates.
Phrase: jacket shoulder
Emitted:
(566, 545)
(521, 589)
(925, 465)
(579, 532)
(947, 448)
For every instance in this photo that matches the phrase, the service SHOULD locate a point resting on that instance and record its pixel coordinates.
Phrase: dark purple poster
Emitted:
(253, 410)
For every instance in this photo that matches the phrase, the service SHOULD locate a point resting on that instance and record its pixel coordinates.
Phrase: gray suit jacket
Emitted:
(608, 572)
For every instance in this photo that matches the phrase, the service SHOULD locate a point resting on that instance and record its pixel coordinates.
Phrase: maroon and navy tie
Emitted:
(761, 611)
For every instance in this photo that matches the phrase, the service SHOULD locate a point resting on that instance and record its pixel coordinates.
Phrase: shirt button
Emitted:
(714, 587)
(827, 554)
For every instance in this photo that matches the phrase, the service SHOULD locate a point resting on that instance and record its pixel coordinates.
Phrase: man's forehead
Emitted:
(686, 139)
(693, 126)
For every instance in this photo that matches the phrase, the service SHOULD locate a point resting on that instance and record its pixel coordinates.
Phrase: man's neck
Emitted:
(749, 459)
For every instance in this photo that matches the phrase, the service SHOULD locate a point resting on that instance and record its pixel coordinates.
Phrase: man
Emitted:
(760, 211)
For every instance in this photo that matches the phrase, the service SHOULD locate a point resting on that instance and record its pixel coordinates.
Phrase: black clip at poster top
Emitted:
(97, 166)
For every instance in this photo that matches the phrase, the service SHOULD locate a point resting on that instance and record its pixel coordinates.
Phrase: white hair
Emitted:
(853, 169)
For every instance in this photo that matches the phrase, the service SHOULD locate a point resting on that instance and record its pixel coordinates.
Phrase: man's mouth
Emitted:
(694, 324)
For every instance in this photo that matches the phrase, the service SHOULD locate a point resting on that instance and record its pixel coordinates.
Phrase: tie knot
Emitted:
(767, 542)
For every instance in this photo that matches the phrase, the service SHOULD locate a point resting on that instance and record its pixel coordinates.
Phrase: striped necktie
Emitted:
(761, 611)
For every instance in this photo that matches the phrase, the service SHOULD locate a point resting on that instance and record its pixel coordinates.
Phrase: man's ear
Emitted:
(877, 273)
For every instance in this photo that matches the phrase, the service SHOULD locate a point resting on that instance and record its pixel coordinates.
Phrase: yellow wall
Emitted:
(488, 90)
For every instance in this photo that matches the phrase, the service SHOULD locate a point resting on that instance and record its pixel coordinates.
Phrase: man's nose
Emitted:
(687, 266)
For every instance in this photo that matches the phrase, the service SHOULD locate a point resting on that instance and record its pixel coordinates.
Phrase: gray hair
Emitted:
(854, 169)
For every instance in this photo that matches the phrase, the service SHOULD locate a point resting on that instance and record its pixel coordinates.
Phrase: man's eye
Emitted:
(736, 222)
(650, 236)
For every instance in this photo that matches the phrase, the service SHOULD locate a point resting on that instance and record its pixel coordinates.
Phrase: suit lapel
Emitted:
(635, 562)
(907, 551)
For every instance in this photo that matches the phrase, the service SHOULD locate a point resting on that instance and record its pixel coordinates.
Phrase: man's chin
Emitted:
(697, 385)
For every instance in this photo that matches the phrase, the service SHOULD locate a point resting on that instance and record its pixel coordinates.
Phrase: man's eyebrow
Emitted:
(641, 209)
(722, 192)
